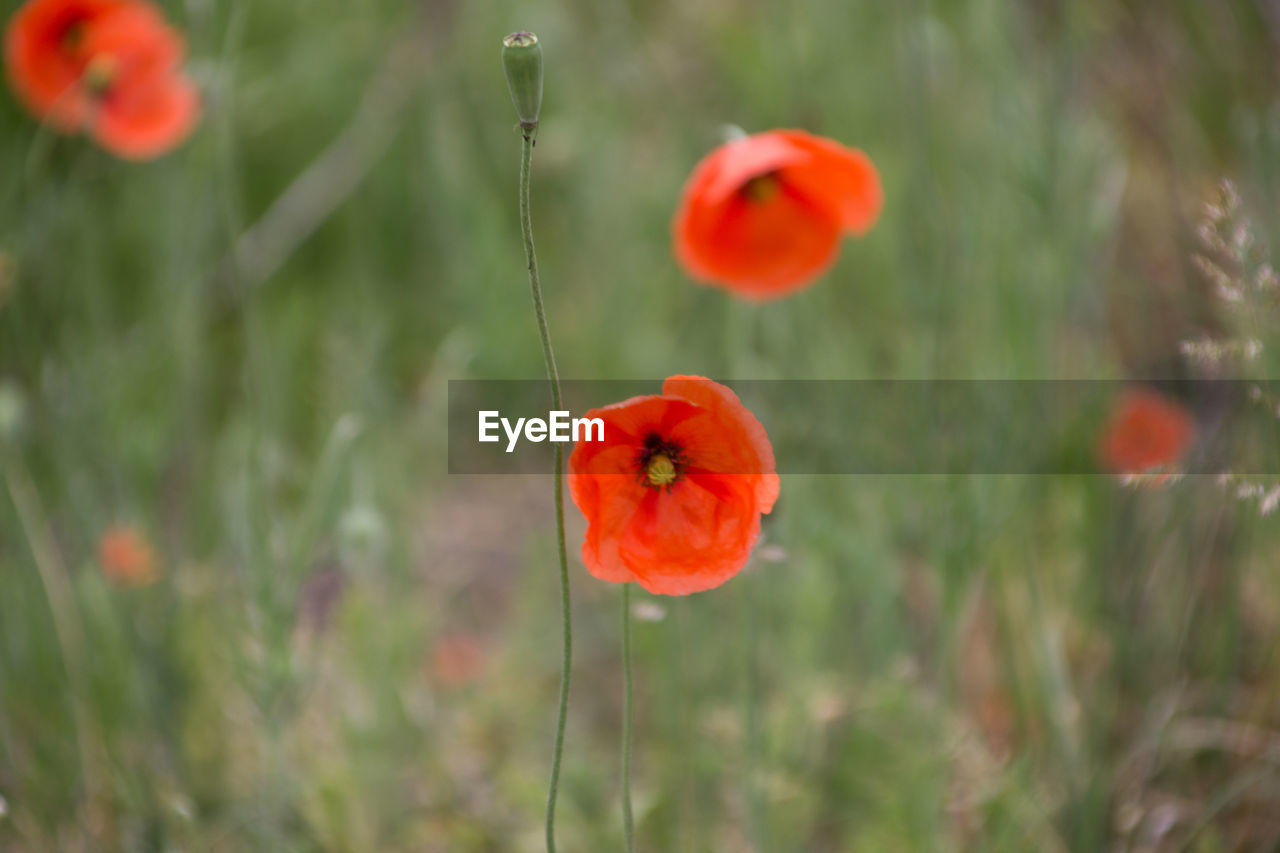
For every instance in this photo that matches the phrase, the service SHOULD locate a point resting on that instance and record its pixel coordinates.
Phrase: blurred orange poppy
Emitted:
(126, 556)
(457, 659)
(110, 68)
(674, 493)
(1147, 431)
(762, 216)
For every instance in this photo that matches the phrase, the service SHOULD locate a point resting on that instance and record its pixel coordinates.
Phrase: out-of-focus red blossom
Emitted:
(109, 68)
(457, 659)
(674, 493)
(126, 556)
(762, 216)
(1147, 432)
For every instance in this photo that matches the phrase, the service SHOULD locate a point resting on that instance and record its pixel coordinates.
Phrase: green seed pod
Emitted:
(522, 61)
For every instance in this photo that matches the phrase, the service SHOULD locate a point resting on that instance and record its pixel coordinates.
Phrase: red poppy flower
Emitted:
(126, 557)
(674, 493)
(763, 215)
(1147, 431)
(111, 68)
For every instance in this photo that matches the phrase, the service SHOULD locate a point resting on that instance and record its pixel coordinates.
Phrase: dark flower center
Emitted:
(660, 463)
(761, 188)
(71, 34)
(100, 70)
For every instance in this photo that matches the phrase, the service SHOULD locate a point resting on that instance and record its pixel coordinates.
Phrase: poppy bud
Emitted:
(522, 62)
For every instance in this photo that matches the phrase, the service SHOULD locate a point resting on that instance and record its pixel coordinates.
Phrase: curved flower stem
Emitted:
(628, 822)
(553, 377)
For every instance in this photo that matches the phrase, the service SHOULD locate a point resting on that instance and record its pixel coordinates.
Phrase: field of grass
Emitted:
(242, 351)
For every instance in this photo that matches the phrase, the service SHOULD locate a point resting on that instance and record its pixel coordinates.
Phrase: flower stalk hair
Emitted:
(522, 62)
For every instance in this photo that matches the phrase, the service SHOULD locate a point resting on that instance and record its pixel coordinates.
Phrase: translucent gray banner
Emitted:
(892, 427)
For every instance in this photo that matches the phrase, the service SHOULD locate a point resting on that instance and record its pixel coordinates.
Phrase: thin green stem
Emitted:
(66, 628)
(553, 377)
(740, 328)
(755, 804)
(628, 822)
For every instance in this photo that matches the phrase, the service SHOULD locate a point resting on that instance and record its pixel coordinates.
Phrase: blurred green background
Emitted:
(241, 350)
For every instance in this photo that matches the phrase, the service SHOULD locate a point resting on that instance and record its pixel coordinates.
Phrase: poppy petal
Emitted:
(43, 69)
(148, 123)
(608, 497)
(845, 177)
(766, 248)
(763, 216)
(742, 446)
(628, 423)
(692, 538)
(730, 166)
(1146, 431)
(111, 67)
(146, 50)
(695, 529)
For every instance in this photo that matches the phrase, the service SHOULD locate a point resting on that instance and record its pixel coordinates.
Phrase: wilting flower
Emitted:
(674, 493)
(126, 556)
(763, 215)
(109, 68)
(1147, 433)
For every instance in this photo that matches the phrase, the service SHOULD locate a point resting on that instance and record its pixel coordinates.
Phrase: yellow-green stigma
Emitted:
(661, 471)
(100, 73)
(761, 188)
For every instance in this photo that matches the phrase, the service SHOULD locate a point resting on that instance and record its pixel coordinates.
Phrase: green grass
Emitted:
(921, 663)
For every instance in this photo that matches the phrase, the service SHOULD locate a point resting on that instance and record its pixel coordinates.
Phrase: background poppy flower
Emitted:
(457, 659)
(126, 557)
(674, 493)
(111, 68)
(763, 215)
(1146, 431)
